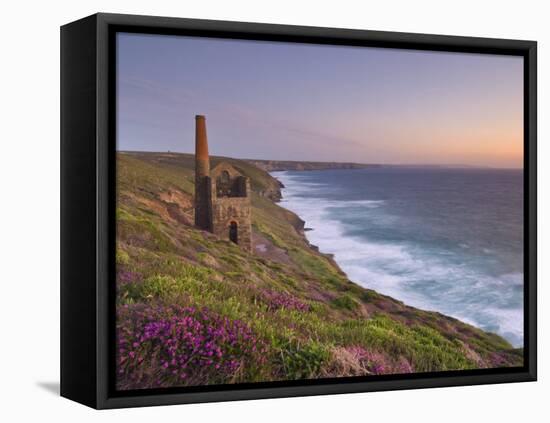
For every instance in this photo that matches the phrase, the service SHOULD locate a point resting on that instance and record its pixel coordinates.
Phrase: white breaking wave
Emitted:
(420, 278)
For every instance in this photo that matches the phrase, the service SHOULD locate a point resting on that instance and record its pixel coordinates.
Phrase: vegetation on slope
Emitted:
(193, 309)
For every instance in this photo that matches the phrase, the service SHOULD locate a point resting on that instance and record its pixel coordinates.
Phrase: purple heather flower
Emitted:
(125, 276)
(281, 300)
(166, 346)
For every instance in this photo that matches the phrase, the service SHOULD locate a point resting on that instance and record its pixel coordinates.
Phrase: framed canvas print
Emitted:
(255, 211)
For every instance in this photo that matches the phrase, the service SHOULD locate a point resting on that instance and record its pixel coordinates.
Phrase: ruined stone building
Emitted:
(222, 196)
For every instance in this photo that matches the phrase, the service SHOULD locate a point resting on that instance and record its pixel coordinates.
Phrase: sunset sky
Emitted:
(288, 101)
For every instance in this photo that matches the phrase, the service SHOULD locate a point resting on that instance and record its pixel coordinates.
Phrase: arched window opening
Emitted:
(224, 177)
(233, 233)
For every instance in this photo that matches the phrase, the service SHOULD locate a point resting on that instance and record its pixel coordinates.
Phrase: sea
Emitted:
(441, 239)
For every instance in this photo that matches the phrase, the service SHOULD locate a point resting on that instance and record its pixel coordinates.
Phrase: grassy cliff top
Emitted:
(194, 309)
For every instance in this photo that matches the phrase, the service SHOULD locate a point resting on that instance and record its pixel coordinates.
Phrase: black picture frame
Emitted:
(88, 104)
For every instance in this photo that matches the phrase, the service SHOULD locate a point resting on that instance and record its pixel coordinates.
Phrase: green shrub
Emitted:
(122, 257)
(345, 302)
(300, 360)
(369, 296)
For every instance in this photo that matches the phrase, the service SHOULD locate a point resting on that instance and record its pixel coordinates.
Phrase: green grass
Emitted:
(345, 302)
(180, 265)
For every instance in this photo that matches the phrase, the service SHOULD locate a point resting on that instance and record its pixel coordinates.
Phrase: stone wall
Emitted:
(222, 199)
(233, 209)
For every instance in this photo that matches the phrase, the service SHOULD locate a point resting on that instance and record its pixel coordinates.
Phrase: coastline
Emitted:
(328, 247)
(290, 300)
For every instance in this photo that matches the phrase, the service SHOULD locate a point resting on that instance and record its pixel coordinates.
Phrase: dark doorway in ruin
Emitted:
(233, 232)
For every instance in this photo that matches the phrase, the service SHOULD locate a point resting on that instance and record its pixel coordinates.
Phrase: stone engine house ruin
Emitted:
(222, 196)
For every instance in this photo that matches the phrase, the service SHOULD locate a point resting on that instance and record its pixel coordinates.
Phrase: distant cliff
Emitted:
(278, 165)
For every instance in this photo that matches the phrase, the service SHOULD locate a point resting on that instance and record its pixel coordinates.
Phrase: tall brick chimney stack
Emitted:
(202, 161)
(203, 185)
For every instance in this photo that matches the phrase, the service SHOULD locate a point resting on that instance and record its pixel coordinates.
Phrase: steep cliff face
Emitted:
(195, 309)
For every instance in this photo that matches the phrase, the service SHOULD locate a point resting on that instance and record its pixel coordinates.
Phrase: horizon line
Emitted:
(456, 165)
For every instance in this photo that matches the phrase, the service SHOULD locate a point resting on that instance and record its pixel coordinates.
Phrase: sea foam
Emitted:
(430, 279)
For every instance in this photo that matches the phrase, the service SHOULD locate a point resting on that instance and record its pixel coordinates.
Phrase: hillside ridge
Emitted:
(299, 165)
(278, 165)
